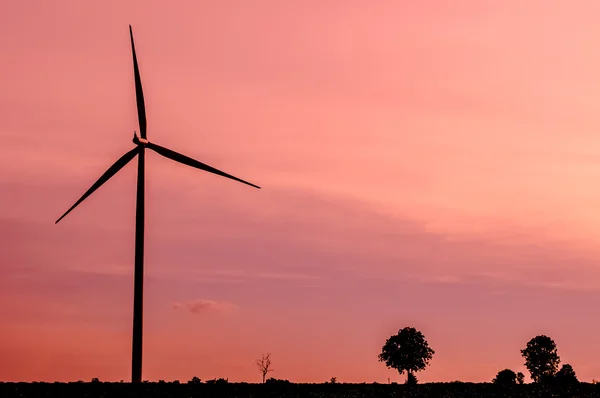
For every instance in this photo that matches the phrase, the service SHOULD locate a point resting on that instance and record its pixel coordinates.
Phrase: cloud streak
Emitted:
(202, 306)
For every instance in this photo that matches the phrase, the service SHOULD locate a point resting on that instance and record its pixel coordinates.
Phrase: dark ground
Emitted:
(243, 390)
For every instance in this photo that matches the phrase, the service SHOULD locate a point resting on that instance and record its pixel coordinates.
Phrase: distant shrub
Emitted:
(566, 376)
(219, 381)
(273, 381)
(505, 377)
(195, 380)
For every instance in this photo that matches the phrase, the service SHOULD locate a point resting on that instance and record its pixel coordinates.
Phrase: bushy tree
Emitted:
(505, 377)
(541, 358)
(406, 351)
(520, 378)
(566, 375)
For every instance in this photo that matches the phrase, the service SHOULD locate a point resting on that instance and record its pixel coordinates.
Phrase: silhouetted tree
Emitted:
(505, 377)
(541, 358)
(195, 380)
(520, 378)
(411, 379)
(333, 380)
(264, 365)
(407, 351)
(566, 375)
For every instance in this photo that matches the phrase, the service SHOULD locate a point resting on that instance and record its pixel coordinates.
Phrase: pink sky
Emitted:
(431, 164)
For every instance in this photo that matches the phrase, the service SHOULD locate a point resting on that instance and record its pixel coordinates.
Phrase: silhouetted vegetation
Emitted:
(273, 381)
(217, 381)
(408, 352)
(541, 358)
(411, 378)
(566, 376)
(520, 378)
(505, 377)
(195, 380)
(264, 365)
(285, 389)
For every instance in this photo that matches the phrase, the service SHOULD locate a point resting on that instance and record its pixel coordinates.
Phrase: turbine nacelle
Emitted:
(139, 141)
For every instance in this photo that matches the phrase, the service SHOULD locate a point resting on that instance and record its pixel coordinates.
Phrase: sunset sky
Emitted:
(433, 164)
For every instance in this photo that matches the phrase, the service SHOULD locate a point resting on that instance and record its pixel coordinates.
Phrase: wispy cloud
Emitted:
(495, 280)
(201, 306)
(239, 276)
(287, 276)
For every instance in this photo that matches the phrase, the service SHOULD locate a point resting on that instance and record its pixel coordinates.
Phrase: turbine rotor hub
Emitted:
(139, 141)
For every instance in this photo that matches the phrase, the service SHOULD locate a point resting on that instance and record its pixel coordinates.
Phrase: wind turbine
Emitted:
(141, 144)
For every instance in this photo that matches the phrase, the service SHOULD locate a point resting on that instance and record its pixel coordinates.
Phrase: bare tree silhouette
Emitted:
(264, 365)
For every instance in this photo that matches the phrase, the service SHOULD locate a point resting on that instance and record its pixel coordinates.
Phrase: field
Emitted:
(243, 390)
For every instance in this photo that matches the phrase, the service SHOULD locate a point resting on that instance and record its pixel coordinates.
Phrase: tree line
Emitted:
(408, 351)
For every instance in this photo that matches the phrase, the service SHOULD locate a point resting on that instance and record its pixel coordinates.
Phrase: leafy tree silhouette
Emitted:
(407, 351)
(520, 378)
(541, 358)
(566, 375)
(505, 377)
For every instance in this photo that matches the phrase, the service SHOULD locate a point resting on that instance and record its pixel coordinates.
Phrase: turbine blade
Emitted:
(112, 170)
(193, 163)
(139, 93)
